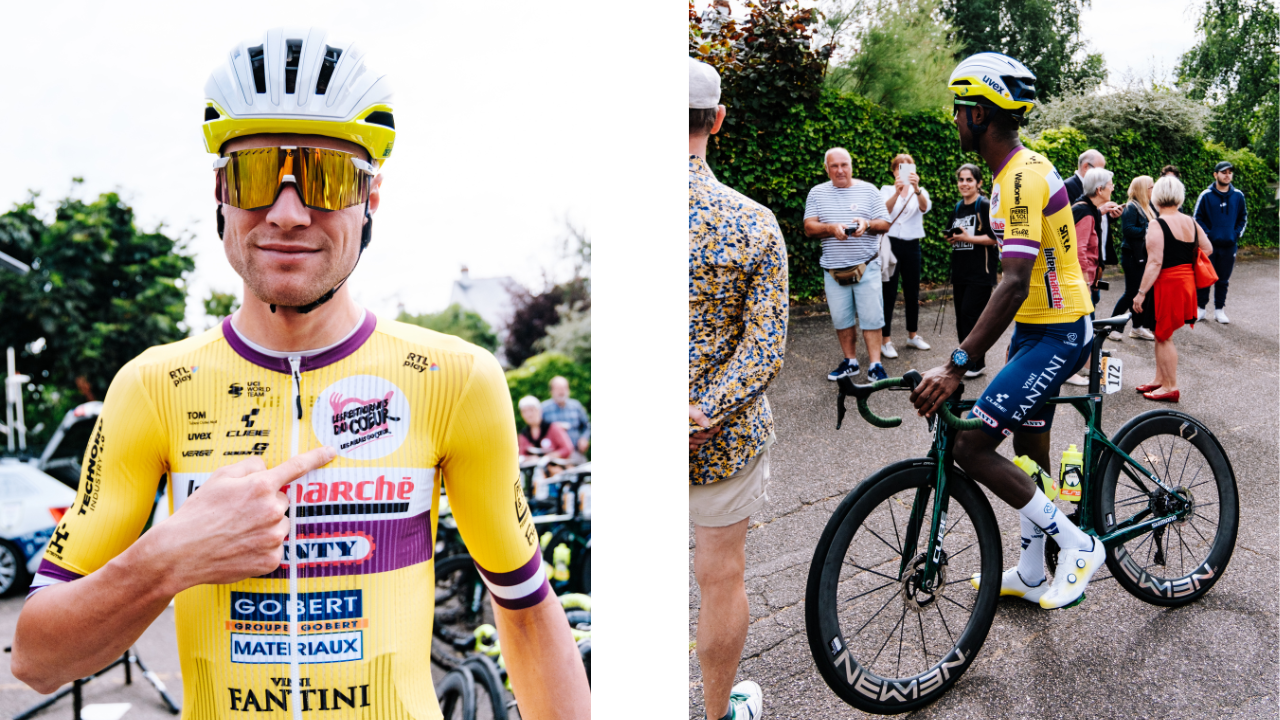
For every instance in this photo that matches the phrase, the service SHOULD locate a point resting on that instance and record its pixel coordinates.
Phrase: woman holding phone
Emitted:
(906, 203)
(973, 256)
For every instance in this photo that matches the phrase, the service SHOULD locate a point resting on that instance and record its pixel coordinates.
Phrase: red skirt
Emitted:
(1174, 297)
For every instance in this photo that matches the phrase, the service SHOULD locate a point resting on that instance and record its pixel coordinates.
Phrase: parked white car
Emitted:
(31, 504)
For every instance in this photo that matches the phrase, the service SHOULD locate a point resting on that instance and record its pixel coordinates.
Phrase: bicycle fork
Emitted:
(924, 573)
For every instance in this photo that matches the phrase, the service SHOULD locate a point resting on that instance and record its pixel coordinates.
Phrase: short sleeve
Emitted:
(120, 476)
(482, 479)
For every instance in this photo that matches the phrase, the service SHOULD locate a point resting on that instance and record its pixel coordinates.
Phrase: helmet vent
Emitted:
(210, 114)
(292, 56)
(381, 117)
(331, 55)
(961, 82)
(259, 69)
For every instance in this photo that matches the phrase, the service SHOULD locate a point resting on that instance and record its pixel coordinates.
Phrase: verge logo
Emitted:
(362, 416)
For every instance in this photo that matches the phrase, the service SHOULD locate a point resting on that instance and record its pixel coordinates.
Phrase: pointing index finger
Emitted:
(299, 465)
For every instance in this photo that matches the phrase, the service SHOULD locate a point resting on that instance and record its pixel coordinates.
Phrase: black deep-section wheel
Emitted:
(461, 606)
(456, 693)
(881, 642)
(486, 674)
(1178, 562)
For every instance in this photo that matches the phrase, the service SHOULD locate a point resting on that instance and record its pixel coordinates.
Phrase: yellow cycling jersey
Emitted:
(1031, 216)
(406, 409)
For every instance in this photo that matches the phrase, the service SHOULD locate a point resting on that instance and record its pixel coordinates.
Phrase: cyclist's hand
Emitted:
(938, 385)
(234, 526)
(700, 437)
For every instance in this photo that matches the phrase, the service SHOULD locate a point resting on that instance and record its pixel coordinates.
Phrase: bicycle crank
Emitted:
(918, 594)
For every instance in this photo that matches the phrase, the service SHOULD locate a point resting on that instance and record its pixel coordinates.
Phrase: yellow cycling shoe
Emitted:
(1011, 584)
(1075, 569)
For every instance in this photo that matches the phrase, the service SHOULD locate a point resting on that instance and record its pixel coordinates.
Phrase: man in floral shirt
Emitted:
(737, 334)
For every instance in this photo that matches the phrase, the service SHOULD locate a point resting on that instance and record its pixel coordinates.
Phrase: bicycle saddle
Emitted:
(1110, 324)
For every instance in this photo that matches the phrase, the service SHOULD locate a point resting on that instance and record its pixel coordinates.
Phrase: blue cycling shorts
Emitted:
(1040, 359)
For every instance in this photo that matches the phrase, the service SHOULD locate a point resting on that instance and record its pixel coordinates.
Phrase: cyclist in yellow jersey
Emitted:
(1044, 292)
(305, 443)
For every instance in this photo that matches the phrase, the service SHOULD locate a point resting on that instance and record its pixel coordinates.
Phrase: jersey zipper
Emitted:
(294, 681)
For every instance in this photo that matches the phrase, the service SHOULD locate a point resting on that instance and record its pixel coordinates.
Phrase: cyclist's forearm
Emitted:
(545, 665)
(72, 630)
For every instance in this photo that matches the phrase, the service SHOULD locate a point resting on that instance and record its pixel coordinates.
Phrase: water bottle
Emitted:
(1071, 474)
(1032, 468)
(561, 558)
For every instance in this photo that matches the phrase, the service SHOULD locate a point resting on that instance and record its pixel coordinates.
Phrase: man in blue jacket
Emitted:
(1221, 211)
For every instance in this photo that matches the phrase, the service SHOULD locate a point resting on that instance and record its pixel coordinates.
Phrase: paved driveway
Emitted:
(1112, 657)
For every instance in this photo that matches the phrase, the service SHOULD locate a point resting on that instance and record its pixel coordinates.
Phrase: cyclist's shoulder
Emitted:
(434, 346)
(170, 357)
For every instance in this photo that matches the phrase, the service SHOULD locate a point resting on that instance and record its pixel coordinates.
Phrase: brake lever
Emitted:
(840, 410)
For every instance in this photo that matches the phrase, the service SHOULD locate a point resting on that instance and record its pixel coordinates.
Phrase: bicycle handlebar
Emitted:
(908, 381)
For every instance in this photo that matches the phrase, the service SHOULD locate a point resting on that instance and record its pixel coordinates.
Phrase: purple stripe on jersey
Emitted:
(353, 343)
(528, 600)
(517, 576)
(1031, 245)
(361, 547)
(54, 572)
(314, 362)
(1006, 161)
(1057, 202)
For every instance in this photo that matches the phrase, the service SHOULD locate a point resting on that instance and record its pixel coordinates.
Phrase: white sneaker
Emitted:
(1221, 316)
(918, 343)
(888, 350)
(1116, 336)
(974, 373)
(1141, 334)
(1075, 569)
(1011, 584)
(1199, 314)
(1078, 380)
(746, 701)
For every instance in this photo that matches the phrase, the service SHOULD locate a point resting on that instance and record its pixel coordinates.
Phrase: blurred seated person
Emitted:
(541, 437)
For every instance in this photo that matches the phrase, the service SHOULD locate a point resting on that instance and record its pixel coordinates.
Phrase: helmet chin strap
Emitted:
(366, 234)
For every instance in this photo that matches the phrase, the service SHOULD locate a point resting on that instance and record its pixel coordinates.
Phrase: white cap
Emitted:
(704, 86)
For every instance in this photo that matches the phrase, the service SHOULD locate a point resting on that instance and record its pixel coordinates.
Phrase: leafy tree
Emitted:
(99, 293)
(571, 336)
(534, 313)
(219, 305)
(1235, 68)
(454, 320)
(1043, 34)
(766, 65)
(533, 376)
(903, 58)
(1168, 118)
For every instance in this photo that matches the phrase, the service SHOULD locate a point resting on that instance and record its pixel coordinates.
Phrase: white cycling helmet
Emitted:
(299, 80)
(995, 80)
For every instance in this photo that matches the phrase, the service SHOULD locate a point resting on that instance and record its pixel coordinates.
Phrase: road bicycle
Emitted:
(892, 617)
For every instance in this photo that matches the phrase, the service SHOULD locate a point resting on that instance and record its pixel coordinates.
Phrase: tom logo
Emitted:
(362, 416)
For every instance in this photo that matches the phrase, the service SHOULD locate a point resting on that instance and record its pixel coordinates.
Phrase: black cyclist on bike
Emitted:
(1045, 293)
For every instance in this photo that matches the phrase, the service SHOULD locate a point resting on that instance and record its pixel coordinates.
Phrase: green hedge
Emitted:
(532, 378)
(778, 168)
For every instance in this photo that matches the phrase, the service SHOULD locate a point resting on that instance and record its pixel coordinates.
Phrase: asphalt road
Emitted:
(1113, 656)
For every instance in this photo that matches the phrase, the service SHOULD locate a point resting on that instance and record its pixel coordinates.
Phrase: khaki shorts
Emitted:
(732, 500)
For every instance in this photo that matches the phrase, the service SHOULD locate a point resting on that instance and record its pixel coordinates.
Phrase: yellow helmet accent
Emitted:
(376, 138)
(998, 79)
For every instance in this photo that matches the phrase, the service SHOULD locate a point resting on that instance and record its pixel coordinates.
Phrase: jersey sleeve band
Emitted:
(50, 574)
(523, 587)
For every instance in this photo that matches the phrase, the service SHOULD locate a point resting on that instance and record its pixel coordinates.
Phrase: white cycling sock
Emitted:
(1031, 562)
(1044, 514)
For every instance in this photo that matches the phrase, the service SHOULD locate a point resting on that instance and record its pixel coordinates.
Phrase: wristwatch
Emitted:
(960, 358)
